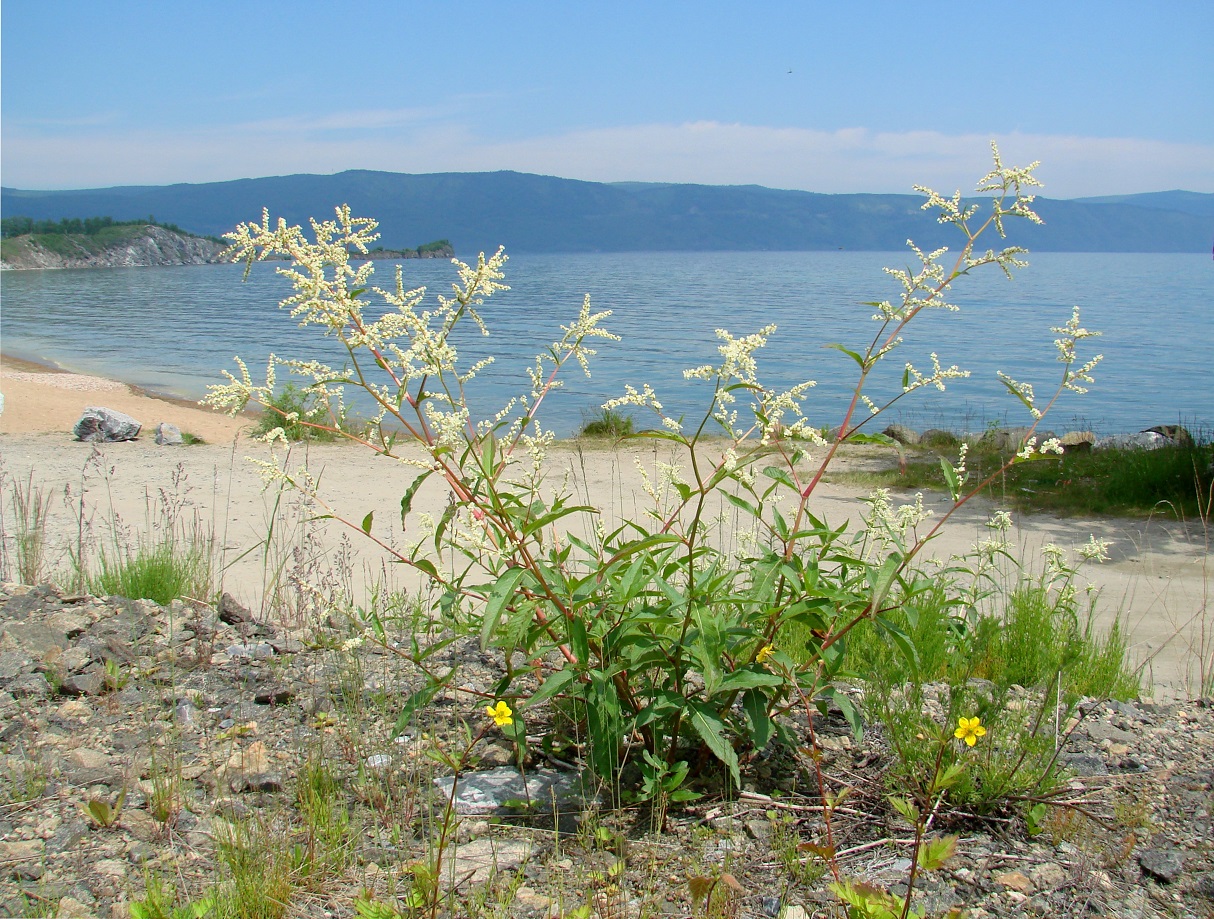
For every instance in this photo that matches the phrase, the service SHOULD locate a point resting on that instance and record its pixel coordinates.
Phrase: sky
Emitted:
(1113, 97)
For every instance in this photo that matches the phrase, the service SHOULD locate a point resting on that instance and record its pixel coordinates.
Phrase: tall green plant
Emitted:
(667, 639)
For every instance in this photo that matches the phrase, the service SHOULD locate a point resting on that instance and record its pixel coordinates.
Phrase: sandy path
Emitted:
(1157, 579)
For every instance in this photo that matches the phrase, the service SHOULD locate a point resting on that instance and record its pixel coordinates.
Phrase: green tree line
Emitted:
(89, 226)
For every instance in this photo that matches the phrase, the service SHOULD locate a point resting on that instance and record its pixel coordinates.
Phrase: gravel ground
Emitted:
(209, 719)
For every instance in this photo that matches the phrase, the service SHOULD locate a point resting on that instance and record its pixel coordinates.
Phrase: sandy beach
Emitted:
(1157, 579)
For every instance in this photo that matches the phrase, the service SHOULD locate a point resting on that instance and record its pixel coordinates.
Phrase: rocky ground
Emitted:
(142, 746)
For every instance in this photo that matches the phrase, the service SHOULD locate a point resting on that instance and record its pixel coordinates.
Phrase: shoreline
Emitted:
(1156, 581)
(41, 397)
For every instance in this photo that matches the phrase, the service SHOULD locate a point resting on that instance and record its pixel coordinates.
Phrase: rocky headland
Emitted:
(148, 246)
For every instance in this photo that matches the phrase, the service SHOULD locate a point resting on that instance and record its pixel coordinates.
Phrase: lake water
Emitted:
(173, 329)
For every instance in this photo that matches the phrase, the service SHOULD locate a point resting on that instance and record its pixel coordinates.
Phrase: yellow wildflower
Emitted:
(764, 653)
(500, 713)
(969, 730)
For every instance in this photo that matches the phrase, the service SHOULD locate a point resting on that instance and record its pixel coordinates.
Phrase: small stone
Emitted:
(379, 761)
(168, 435)
(1163, 864)
(480, 860)
(232, 611)
(1014, 880)
(1204, 886)
(1049, 876)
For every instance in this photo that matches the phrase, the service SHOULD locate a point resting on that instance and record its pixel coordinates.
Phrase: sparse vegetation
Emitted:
(1130, 482)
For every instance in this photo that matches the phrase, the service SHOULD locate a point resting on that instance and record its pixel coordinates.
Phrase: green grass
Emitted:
(161, 572)
(1033, 638)
(1112, 482)
(300, 415)
(607, 423)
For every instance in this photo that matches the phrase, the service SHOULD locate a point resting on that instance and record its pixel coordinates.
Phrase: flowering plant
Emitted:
(669, 641)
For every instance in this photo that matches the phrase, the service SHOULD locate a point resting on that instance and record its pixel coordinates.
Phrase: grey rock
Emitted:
(1077, 441)
(89, 683)
(105, 425)
(1163, 863)
(261, 651)
(232, 611)
(902, 434)
(938, 437)
(1204, 886)
(486, 792)
(1176, 433)
(168, 435)
(1084, 763)
(1143, 440)
(34, 638)
(259, 781)
(481, 859)
(29, 686)
(13, 664)
(1099, 731)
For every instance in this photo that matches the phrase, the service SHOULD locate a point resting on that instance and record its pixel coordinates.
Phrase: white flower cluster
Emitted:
(1071, 333)
(913, 379)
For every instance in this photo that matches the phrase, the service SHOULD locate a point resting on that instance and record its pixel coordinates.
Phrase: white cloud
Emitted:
(421, 140)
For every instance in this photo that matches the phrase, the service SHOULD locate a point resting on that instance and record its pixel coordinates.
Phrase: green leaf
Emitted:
(906, 807)
(711, 728)
(605, 724)
(745, 505)
(755, 705)
(500, 594)
(367, 521)
(749, 679)
(577, 638)
(935, 853)
(554, 684)
(781, 476)
(415, 702)
(883, 439)
(406, 502)
(950, 478)
(852, 354)
(904, 642)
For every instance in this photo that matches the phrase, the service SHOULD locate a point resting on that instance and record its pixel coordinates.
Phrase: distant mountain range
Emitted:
(532, 213)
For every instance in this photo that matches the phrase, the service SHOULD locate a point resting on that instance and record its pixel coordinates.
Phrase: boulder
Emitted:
(1143, 440)
(1077, 441)
(939, 439)
(168, 435)
(105, 425)
(1176, 433)
(902, 434)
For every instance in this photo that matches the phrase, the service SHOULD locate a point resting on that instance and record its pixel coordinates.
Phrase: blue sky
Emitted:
(1113, 97)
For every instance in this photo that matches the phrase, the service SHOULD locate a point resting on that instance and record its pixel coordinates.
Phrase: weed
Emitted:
(30, 508)
(257, 857)
(104, 812)
(22, 779)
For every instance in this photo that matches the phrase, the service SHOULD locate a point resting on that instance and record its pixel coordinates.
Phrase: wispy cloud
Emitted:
(423, 140)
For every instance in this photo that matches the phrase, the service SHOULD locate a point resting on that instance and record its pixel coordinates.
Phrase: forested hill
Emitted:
(531, 213)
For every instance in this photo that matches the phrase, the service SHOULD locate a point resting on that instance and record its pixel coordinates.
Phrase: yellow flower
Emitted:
(501, 713)
(764, 653)
(969, 730)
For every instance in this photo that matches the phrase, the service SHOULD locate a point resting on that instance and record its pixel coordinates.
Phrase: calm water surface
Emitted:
(173, 329)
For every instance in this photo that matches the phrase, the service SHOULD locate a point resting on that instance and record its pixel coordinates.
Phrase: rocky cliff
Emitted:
(145, 246)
